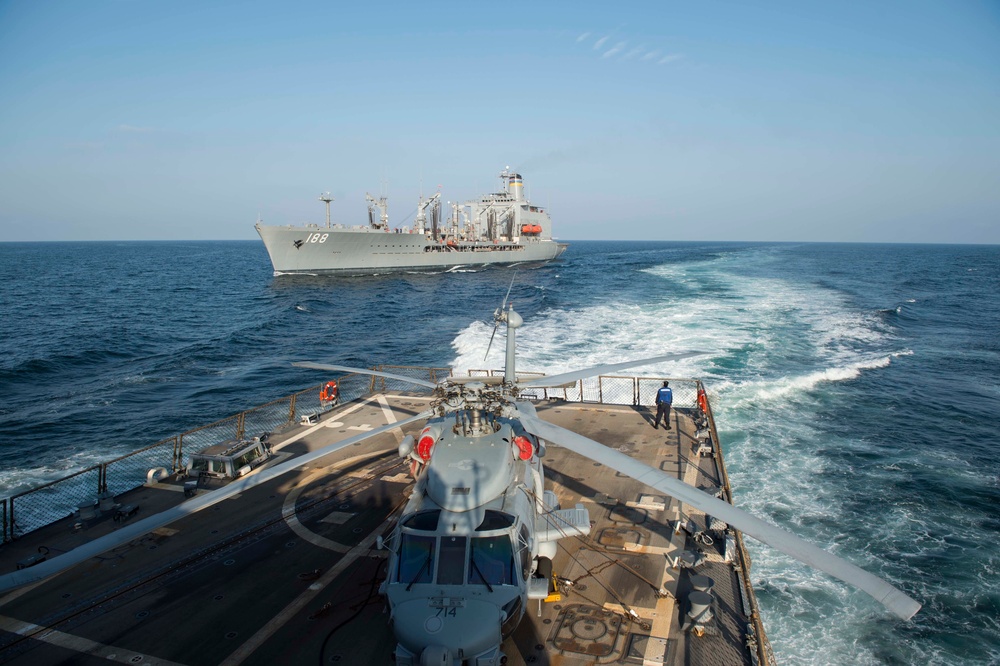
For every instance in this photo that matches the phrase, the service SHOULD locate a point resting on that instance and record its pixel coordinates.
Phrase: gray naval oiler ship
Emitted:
(498, 228)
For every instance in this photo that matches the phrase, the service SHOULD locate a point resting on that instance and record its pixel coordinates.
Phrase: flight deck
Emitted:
(289, 570)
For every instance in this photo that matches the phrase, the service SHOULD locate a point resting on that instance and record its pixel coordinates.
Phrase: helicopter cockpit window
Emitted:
(451, 566)
(495, 520)
(491, 561)
(424, 520)
(416, 554)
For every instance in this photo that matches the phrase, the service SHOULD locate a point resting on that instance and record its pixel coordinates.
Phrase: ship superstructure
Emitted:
(498, 228)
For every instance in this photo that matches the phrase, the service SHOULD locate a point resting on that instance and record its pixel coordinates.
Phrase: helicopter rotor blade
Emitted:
(552, 381)
(503, 306)
(137, 529)
(893, 599)
(363, 371)
(496, 325)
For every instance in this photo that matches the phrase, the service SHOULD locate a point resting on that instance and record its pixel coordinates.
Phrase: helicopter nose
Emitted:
(447, 636)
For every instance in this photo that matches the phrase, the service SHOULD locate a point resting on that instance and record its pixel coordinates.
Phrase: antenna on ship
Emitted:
(326, 198)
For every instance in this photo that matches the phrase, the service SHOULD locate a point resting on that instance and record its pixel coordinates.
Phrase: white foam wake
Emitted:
(773, 342)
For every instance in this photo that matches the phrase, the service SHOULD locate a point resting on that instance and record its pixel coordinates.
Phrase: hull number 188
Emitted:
(317, 238)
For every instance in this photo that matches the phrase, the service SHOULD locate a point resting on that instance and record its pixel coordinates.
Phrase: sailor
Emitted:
(664, 398)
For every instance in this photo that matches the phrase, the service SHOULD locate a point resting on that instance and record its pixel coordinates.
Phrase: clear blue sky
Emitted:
(791, 121)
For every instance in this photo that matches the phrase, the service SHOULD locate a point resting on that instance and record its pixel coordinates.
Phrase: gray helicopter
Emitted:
(475, 541)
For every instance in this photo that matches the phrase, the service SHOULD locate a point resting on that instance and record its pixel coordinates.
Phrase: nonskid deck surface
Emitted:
(288, 571)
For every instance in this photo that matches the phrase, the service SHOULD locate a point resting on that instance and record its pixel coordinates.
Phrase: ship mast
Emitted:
(326, 198)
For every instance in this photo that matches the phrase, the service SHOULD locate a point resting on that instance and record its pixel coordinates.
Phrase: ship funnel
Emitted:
(515, 186)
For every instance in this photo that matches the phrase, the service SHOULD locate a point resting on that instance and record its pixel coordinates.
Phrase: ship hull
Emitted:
(314, 250)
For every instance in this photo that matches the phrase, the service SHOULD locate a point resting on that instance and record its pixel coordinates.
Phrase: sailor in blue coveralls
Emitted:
(664, 398)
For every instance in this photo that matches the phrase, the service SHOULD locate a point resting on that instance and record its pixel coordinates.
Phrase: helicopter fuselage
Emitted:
(464, 551)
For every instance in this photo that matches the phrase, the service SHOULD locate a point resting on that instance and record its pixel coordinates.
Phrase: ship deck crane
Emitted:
(383, 205)
(420, 223)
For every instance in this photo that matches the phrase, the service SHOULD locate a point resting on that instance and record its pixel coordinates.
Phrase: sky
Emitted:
(846, 121)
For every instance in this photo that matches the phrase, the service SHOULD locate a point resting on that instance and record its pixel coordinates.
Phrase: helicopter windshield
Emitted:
(491, 561)
(415, 556)
(451, 568)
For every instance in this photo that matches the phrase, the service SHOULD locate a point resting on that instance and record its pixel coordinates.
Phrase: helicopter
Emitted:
(475, 541)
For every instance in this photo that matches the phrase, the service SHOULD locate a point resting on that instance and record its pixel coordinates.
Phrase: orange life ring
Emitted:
(329, 392)
(702, 400)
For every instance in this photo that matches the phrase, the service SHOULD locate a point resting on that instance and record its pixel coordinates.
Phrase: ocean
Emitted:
(856, 387)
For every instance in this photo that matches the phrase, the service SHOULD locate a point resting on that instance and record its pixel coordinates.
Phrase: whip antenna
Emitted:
(497, 316)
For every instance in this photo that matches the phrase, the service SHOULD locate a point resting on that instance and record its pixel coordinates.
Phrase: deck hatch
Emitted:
(587, 630)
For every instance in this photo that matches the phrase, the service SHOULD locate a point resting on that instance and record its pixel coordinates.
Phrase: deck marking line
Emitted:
(322, 424)
(78, 643)
(17, 593)
(389, 417)
(282, 618)
(288, 507)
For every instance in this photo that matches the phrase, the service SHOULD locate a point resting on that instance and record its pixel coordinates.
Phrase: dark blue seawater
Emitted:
(857, 387)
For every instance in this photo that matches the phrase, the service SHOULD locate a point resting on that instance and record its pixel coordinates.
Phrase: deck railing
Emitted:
(47, 503)
(757, 639)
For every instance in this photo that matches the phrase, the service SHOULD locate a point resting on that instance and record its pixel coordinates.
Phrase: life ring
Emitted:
(702, 400)
(329, 392)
